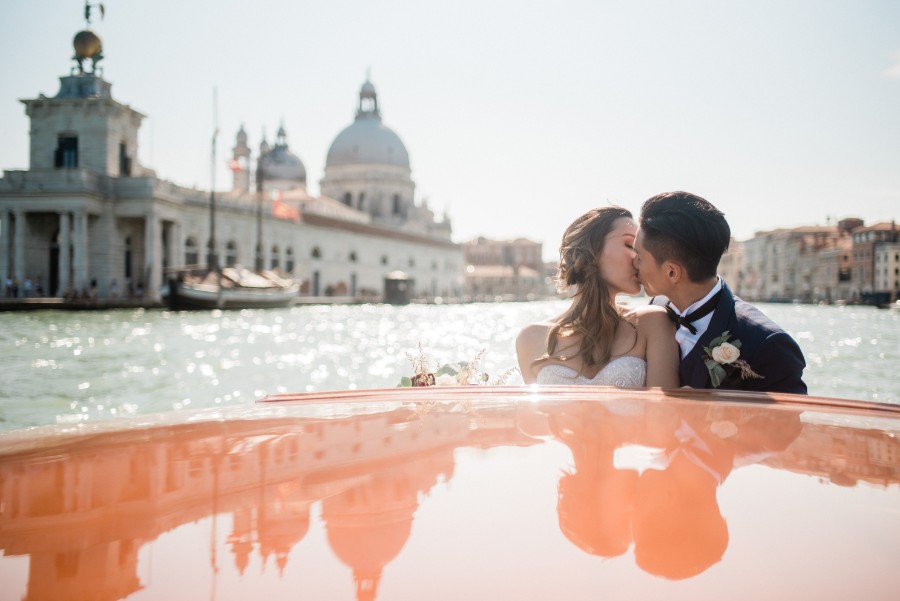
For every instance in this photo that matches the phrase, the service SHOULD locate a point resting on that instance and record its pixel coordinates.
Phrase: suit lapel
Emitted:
(693, 371)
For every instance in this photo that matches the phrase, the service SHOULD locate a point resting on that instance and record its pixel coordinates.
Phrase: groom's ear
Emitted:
(674, 272)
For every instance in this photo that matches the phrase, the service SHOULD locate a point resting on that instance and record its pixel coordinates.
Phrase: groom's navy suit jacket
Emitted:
(769, 350)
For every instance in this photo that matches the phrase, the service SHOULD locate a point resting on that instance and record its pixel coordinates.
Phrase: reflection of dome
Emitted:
(368, 543)
(283, 522)
(87, 44)
(367, 140)
(280, 163)
(367, 527)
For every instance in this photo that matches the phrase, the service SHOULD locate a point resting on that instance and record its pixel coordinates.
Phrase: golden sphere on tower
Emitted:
(87, 44)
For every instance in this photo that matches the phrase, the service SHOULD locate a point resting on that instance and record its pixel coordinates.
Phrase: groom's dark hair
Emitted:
(683, 227)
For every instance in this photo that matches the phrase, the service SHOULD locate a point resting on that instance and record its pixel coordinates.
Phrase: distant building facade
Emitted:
(846, 262)
(731, 265)
(87, 218)
(506, 268)
(887, 268)
(869, 243)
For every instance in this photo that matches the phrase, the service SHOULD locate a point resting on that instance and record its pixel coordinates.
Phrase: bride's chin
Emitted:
(630, 291)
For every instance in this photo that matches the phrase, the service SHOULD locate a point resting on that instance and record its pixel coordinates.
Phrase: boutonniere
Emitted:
(723, 356)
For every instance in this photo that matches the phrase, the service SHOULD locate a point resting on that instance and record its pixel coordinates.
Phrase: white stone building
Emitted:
(86, 218)
(887, 269)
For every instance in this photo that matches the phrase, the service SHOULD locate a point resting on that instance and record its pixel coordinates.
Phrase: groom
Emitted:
(679, 243)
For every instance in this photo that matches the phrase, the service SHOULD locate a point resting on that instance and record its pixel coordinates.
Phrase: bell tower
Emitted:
(240, 163)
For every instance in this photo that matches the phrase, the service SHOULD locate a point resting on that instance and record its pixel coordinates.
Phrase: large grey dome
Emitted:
(280, 163)
(367, 140)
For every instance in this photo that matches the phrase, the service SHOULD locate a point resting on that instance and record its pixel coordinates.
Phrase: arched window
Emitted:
(316, 253)
(348, 199)
(289, 260)
(276, 257)
(360, 203)
(231, 253)
(191, 256)
(384, 259)
(352, 256)
(396, 209)
(412, 262)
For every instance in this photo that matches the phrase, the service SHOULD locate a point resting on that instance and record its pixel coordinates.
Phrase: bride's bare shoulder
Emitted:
(534, 332)
(535, 335)
(647, 316)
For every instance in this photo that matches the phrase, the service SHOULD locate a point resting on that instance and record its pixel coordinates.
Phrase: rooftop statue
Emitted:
(87, 44)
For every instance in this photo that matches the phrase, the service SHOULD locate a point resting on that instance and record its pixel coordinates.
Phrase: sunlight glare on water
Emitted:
(63, 367)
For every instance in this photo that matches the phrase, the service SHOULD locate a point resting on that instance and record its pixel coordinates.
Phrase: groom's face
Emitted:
(649, 270)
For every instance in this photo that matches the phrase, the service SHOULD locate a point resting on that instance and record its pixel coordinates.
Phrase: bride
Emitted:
(596, 341)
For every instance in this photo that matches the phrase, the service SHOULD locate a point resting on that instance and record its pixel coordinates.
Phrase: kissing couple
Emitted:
(695, 332)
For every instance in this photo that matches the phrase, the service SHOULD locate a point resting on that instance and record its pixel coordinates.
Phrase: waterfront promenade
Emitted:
(106, 304)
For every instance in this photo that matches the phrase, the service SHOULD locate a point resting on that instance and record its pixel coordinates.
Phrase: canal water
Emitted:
(66, 367)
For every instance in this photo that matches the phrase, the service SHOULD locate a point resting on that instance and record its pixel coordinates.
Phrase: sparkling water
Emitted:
(62, 367)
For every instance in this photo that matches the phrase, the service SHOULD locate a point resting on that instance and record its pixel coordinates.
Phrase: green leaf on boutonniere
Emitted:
(716, 372)
(717, 341)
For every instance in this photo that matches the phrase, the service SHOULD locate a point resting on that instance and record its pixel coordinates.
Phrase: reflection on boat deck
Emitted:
(81, 510)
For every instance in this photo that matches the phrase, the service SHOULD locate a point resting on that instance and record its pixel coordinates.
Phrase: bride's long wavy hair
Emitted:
(592, 316)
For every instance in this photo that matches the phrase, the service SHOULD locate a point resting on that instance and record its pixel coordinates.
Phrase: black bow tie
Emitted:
(687, 321)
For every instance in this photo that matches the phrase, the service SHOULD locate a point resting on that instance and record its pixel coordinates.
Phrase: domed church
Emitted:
(367, 169)
(368, 166)
(87, 219)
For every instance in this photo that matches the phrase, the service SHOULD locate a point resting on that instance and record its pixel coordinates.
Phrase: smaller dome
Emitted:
(242, 136)
(280, 163)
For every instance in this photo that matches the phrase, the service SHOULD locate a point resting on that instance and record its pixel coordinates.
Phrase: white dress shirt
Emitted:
(683, 336)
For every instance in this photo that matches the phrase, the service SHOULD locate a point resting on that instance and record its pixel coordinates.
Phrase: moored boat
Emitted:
(233, 288)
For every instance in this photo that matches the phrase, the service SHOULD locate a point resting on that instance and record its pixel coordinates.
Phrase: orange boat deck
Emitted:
(461, 493)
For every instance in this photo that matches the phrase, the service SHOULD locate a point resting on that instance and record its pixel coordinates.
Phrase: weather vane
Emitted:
(87, 11)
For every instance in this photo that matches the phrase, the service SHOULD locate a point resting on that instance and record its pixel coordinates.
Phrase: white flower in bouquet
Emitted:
(461, 373)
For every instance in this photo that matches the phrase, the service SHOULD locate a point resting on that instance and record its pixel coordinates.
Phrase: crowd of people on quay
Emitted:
(34, 288)
(25, 289)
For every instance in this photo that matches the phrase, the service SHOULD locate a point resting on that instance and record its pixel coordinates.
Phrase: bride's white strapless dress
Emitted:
(624, 372)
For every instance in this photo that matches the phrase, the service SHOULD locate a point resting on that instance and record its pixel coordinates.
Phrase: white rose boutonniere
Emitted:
(726, 353)
(723, 356)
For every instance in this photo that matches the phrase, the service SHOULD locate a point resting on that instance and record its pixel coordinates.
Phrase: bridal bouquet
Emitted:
(461, 373)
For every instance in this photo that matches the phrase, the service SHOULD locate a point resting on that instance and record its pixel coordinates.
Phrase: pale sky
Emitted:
(518, 116)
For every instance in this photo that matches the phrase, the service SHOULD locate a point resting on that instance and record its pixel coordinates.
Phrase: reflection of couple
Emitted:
(669, 510)
(674, 255)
